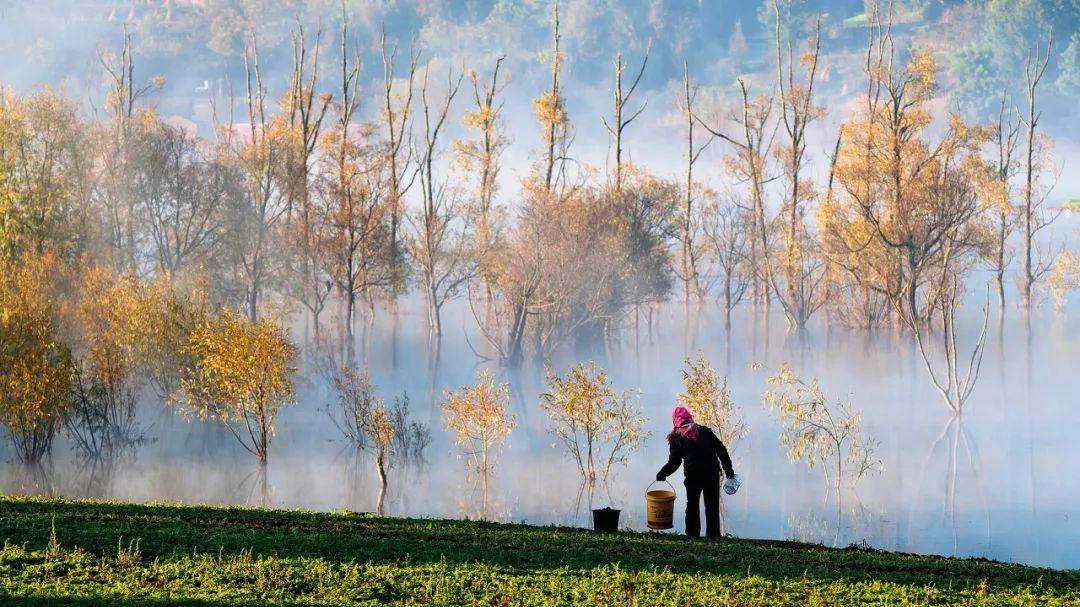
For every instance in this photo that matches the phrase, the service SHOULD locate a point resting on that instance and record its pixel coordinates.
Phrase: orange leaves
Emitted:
(478, 417)
(241, 375)
(35, 367)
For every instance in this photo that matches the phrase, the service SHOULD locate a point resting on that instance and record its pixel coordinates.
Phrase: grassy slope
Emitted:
(230, 556)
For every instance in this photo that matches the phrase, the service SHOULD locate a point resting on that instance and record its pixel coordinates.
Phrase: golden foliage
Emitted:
(816, 431)
(35, 366)
(598, 427)
(241, 375)
(479, 419)
(705, 393)
(1064, 276)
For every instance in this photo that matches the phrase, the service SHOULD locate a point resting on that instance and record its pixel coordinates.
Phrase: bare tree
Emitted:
(438, 247)
(621, 118)
(306, 111)
(354, 205)
(550, 109)
(482, 157)
(1033, 217)
(397, 114)
(1005, 135)
(802, 274)
(119, 162)
(688, 272)
(184, 193)
(256, 153)
(725, 226)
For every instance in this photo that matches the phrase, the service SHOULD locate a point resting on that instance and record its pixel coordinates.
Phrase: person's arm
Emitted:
(725, 459)
(674, 459)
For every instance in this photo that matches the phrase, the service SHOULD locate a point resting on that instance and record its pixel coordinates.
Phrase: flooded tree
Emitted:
(255, 151)
(440, 245)
(597, 427)
(1063, 278)
(705, 393)
(799, 282)
(478, 418)
(904, 197)
(821, 433)
(35, 366)
(241, 376)
(1004, 136)
(354, 201)
(121, 162)
(387, 433)
(482, 158)
(185, 192)
(110, 321)
(396, 148)
(725, 226)
(304, 110)
(1037, 162)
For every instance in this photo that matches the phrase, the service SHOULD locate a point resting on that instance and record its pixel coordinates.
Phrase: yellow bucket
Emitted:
(660, 507)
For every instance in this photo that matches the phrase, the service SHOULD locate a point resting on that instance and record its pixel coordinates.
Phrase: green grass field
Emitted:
(150, 555)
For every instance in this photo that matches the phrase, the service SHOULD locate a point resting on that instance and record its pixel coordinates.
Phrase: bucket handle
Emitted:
(664, 481)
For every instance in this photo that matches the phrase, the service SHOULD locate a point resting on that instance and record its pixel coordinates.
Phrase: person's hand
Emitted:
(660, 477)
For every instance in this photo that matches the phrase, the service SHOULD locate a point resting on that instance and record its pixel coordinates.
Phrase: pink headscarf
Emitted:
(683, 422)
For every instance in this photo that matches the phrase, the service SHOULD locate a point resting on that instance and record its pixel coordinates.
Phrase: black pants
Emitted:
(707, 484)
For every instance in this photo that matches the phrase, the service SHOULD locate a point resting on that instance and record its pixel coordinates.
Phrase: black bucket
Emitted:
(606, 519)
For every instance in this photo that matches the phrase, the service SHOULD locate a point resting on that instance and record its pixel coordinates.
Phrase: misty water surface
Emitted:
(998, 483)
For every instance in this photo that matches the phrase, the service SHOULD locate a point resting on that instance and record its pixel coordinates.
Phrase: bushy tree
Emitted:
(35, 366)
(241, 374)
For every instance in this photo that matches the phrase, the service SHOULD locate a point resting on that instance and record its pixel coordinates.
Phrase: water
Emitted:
(998, 482)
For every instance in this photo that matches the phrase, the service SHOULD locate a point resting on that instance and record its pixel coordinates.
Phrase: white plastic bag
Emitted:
(732, 485)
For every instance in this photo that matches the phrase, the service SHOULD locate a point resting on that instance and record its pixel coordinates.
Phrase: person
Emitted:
(702, 455)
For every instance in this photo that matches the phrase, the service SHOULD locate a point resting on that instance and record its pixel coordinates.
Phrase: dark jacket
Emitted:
(706, 455)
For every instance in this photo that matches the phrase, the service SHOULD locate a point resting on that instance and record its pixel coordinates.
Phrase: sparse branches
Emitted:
(598, 427)
(623, 116)
(1033, 217)
(397, 147)
(705, 393)
(305, 110)
(802, 288)
(478, 418)
(725, 226)
(440, 249)
(386, 432)
(481, 157)
(688, 271)
(819, 432)
(550, 111)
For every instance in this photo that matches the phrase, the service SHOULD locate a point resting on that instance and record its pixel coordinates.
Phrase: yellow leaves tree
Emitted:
(598, 427)
(1064, 276)
(906, 202)
(35, 366)
(43, 174)
(821, 433)
(241, 375)
(480, 422)
(111, 322)
(705, 393)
